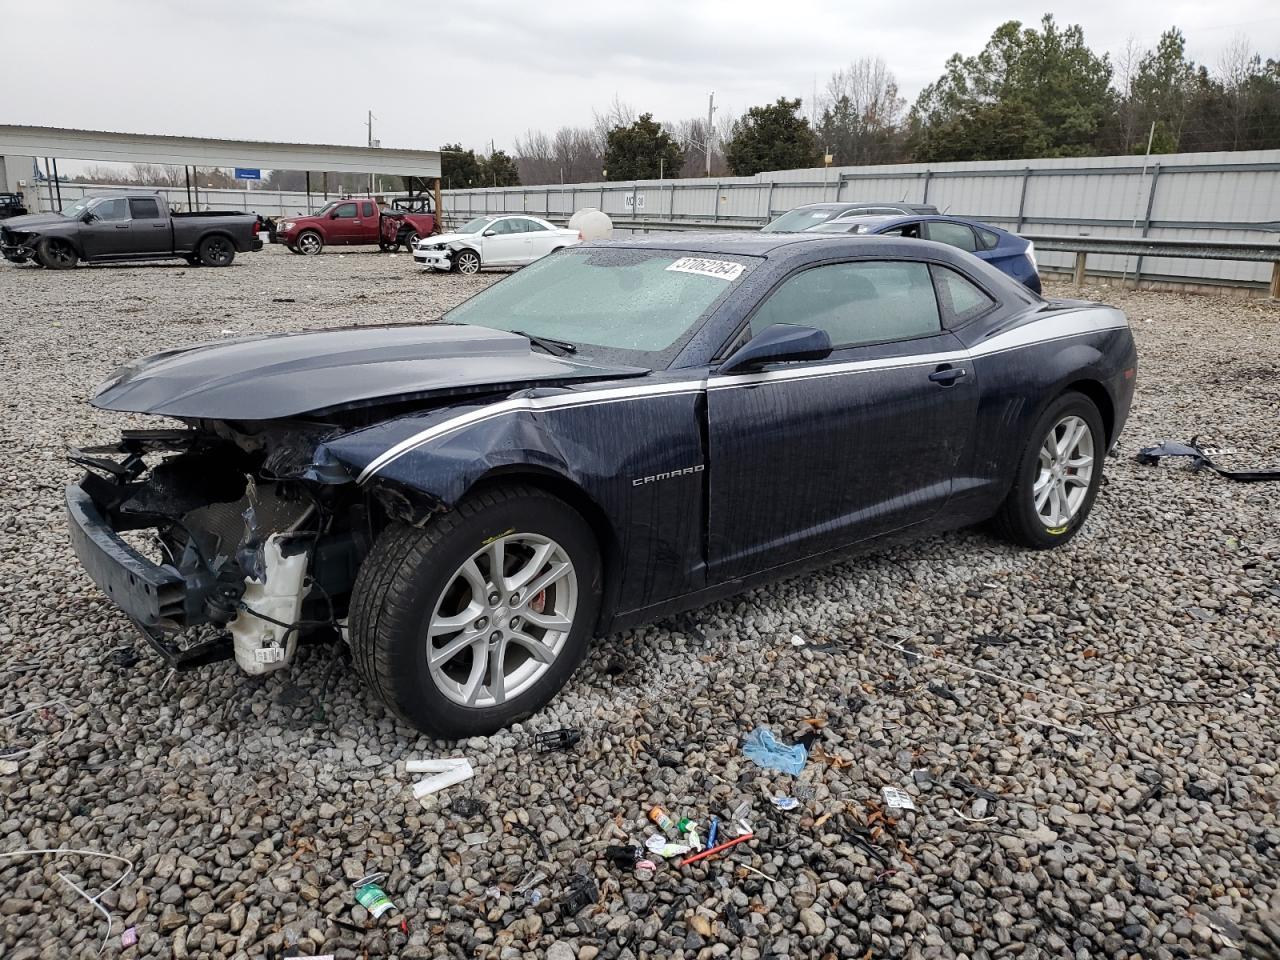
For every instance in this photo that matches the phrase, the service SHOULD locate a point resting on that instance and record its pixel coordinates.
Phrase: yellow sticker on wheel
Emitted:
(497, 536)
(1055, 530)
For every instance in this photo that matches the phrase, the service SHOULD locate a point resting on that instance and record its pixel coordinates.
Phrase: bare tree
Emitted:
(617, 114)
(861, 113)
(535, 158)
(1237, 64)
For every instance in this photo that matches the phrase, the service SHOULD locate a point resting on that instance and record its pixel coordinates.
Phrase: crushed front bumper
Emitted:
(156, 597)
(16, 252)
(433, 259)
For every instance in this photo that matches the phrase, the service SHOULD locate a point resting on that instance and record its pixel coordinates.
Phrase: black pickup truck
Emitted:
(131, 225)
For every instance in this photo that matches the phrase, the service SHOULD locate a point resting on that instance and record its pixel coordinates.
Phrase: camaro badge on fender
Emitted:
(641, 481)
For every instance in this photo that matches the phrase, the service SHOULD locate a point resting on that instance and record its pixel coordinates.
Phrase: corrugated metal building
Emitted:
(1193, 196)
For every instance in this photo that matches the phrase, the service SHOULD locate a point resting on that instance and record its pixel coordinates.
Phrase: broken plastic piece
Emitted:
(447, 773)
(764, 750)
(581, 893)
(785, 803)
(556, 739)
(466, 807)
(1200, 458)
(664, 848)
(712, 831)
(646, 868)
(896, 799)
(129, 937)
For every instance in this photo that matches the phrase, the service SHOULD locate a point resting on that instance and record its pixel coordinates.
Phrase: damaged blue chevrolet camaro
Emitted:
(616, 433)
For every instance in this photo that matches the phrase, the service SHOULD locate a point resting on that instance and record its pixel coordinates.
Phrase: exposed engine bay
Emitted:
(261, 555)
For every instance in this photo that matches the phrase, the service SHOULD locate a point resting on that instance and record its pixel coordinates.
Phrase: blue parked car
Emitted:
(1007, 252)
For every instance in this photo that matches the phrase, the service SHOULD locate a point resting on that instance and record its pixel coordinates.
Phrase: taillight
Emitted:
(256, 227)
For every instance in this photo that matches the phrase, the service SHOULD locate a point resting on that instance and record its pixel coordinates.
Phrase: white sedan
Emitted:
(496, 241)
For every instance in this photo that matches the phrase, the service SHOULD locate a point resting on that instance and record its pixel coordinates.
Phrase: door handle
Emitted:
(947, 375)
(122, 226)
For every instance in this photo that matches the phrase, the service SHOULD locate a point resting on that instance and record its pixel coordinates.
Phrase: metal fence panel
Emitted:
(1197, 196)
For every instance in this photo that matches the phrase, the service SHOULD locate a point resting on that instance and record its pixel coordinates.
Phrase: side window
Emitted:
(366, 210)
(953, 234)
(145, 209)
(346, 211)
(961, 299)
(114, 209)
(506, 227)
(869, 301)
(986, 239)
(533, 226)
(911, 230)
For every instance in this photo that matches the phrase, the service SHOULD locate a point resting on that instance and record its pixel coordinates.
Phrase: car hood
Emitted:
(287, 375)
(27, 221)
(450, 237)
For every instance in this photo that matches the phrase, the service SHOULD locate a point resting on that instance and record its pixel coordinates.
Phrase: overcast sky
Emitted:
(434, 72)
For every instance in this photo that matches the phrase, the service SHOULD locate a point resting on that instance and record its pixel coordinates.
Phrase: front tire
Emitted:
(466, 262)
(410, 240)
(309, 243)
(478, 619)
(216, 251)
(56, 254)
(1058, 475)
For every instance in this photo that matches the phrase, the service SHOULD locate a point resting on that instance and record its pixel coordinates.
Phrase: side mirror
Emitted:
(334, 215)
(489, 233)
(88, 216)
(780, 343)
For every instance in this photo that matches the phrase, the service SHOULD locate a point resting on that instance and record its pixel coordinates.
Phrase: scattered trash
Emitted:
(534, 897)
(797, 640)
(624, 858)
(556, 739)
(961, 783)
(93, 901)
(535, 836)
(785, 803)
(896, 799)
(712, 851)
(371, 896)
(283, 300)
(942, 690)
(664, 848)
(129, 937)
(1150, 456)
(125, 657)
(466, 807)
(580, 893)
(763, 749)
(712, 831)
(860, 836)
(448, 771)
(738, 816)
(663, 819)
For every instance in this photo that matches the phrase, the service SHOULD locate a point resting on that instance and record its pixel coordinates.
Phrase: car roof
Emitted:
(780, 246)
(886, 219)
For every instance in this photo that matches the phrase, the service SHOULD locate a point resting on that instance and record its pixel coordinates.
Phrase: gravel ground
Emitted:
(1112, 703)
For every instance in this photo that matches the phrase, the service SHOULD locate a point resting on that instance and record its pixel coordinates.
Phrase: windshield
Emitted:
(77, 208)
(326, 208)
(801, 218)
(840, 226)
(639, 303)
(476, 225)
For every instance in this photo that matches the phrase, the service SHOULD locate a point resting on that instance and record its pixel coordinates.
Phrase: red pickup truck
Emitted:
(357, 220)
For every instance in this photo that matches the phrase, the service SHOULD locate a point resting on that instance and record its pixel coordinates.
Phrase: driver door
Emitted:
(108, 234)
(813, 456)
(345, 224)
(507, 245)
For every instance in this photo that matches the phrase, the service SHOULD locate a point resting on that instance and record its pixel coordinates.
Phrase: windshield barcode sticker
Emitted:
(721, 269)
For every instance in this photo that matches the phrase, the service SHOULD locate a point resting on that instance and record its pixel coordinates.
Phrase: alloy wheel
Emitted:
(1065, 472)
(309, 244)
(468, 263)
(502, 619)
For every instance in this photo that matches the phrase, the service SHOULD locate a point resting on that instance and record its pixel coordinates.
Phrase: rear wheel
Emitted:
(56, 254)
(216, 251)
(466, 261)
(1058, 475)
(478, 619)
(309, 243)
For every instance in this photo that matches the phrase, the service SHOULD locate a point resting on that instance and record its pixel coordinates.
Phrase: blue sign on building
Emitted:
(248, 173)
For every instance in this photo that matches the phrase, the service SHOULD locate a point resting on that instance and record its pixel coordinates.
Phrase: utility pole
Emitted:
(369, 125)
(711, 128)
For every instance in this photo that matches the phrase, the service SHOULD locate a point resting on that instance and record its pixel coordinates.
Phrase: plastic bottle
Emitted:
(663, 820)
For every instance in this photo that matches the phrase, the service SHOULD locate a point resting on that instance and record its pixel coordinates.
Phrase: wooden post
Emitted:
(1275, 280)
(439, 200)
(1079, 273)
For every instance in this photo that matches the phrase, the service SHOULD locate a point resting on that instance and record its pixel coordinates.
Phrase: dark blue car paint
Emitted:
(707, 488)
(1009, 255)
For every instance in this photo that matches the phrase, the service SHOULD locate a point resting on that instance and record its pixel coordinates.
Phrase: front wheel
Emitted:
(466, 262)
(1057, 477)
(410, 240)
(56, 254)
(478, 619)
(216, 251)
(309, 243)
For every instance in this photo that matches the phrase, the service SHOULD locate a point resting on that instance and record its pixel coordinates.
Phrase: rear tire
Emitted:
(56, 254)
(1057, 477)
(216, 251)
(414, 596)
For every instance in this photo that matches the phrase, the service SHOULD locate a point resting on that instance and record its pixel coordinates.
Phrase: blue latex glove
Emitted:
(763, 749)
